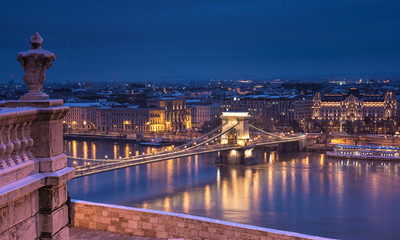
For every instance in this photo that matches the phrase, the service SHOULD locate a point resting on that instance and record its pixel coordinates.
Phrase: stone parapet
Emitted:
(33, 171)
(34, 103)
(22, 127)
(33, 167)
(158, 224)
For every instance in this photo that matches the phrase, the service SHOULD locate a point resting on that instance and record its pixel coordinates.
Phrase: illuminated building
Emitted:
(177, 115)
(355, 109)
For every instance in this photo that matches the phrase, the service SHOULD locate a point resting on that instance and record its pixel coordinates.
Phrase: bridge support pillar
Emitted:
(236, 156)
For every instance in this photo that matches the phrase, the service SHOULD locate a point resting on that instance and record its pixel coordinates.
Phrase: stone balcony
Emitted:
(33, 167)
(33, 172)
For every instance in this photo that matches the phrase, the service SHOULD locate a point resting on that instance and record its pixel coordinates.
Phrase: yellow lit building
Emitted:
(157, 120)
(177, 115)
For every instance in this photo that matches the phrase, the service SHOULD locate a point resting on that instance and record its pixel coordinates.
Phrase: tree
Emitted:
(210, 125)
(349, 127)
(295, 126)
(367, 124)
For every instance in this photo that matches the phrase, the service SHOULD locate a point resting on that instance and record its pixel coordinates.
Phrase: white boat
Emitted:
(367, 152)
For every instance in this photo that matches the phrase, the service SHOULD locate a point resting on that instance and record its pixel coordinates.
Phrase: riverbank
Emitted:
(129, 138)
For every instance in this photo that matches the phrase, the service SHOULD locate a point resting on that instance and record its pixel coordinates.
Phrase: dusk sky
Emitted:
(203, 39)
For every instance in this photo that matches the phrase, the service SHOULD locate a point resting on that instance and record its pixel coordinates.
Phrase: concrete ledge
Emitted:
(159, 224)
(59, 177)
(17, 172)
(20, 188)
(52, 164)
(33, 182)
(34, 103)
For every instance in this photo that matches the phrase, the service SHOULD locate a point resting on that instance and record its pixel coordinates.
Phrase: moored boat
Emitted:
(155, 142)
(368, 152)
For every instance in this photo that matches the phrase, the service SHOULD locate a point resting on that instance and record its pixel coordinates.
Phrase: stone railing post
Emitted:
(35, 61)
(2, 149)
(9, 146)
(24, 143)
(41, 140)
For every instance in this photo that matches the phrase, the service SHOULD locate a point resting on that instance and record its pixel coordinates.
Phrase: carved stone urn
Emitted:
(35, 62)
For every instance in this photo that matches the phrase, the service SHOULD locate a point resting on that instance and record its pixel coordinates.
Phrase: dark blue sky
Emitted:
(203, 39)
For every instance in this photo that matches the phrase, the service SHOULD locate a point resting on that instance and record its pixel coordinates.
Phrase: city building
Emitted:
(81, 116)
(123, 120)
(204, 113)
(166, 114)
(177, 115)
(271, 111)
(354, 111)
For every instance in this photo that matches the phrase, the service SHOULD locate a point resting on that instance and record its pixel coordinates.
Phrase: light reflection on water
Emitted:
(301, 192)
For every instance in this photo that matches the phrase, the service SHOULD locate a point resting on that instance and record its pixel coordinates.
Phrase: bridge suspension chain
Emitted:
(204, 136)
(270, 134)
(176, 150)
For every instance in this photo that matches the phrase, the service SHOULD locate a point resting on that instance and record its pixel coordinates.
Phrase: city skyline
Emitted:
(206, 119)
(191, 41)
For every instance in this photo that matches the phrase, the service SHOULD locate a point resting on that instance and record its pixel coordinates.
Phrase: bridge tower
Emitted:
(240, 133)
(238, 123)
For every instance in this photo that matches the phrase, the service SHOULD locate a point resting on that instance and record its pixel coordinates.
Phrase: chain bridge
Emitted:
(231, 140)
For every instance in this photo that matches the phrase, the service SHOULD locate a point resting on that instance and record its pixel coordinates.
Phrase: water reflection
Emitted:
(116, 147)
(93, 150)
(302, 192)
(74, 149)
(207, 197)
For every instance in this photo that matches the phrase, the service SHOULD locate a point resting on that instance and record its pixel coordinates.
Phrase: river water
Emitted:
(299, 192)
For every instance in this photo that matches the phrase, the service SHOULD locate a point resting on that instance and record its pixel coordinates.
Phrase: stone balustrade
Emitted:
(15, 136)
(33, 170)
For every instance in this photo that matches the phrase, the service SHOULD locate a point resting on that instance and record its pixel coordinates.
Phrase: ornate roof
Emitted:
(356, 93)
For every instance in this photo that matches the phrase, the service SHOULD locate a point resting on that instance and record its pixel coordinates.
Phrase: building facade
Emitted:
(82, 116)
(204, 113)
(177, 115)
(166, 115)
(354, 111)
(272, 111)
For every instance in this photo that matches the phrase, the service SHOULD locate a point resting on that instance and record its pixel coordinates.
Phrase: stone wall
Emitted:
(18, 218)
(34, 207)
(158, 224)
